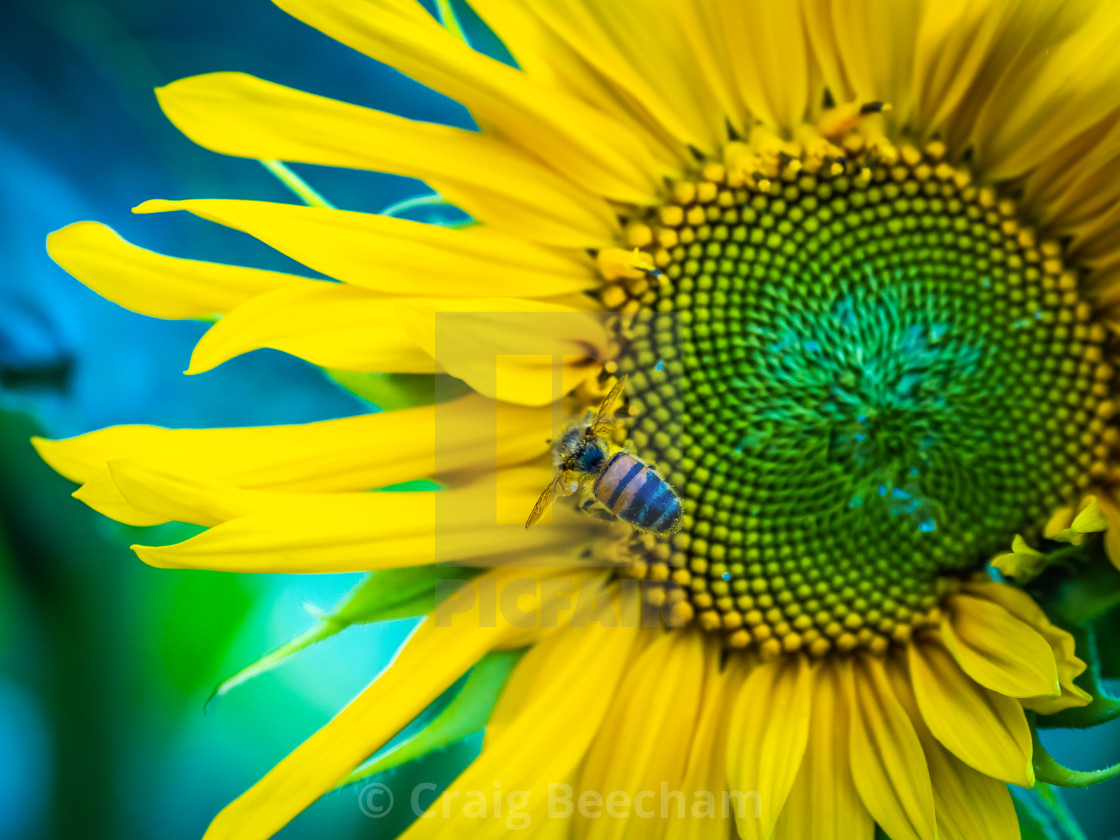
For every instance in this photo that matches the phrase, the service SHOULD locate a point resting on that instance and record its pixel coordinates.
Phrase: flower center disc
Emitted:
(861, 381)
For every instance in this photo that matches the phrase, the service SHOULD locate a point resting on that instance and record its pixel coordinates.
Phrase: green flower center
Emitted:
(862, 385)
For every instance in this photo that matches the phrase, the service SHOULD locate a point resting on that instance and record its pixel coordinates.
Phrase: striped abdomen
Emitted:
(635, 493)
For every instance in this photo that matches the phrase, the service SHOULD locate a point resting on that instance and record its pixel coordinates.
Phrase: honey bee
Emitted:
(614, 484)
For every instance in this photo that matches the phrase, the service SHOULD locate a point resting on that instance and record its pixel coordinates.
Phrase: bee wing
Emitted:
(608, 404)
(550, 493)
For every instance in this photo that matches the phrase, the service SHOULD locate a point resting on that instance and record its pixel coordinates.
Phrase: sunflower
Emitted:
(860, 263)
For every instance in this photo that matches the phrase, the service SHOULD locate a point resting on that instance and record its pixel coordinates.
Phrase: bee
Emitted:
(614, 484)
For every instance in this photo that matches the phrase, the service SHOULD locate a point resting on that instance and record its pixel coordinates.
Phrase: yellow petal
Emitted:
(657, 70)
(997, 649)
(818, 17)
(589, 146)
(453, 638)
(768, 51)
(256, 531)
(705, 774)
(171, 492)
(661, 689)
(238, 114)
(1112, 533)
(1089, 517)
(510, 349)
(1074, 525)
(984, 729)
(887, 761)
(103, 495)
(765, 749)
(875, 43)
(1062, 645)
(969, 804)
(154, 284)
(396, 255)
(354, 453)
(543, 55)
(1060, 85)
(542, 746)
(328, 324)
(824, 803)
(953, 41)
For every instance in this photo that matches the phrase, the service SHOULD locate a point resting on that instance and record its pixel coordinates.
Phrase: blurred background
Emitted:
(106, 664)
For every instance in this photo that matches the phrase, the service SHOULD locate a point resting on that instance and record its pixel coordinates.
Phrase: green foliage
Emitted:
(199, 616)
(1107, 629)
(464, 715)
(392, 391)
(381, 596)
(1043, 815)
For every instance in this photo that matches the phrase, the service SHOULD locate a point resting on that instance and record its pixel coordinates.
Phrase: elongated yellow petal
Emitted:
(354, 453)
(818, 18)
(662, 691)
(824, 803)
(765, 750)
(969, 804)
(875, 44)
(1112, 535)
(657, 70)
(453, 638)
(171, 492)
(238, 114)
(952, 40)
(997, 649)
(542, 54)
(589, 146)
(328, 324)
(984, 729)
(506, 348)
(396, 255)
(767, 49)
(542, 746)
(154, 284)
(1022, 606)
(887, 761)
(705, 775)
(1048, 79)
(257, 531)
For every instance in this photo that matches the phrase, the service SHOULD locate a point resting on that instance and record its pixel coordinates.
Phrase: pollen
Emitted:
(863, 373)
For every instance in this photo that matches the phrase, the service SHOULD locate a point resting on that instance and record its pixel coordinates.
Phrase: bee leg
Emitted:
(597, 509)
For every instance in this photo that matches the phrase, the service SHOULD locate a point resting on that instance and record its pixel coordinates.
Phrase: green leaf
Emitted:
(1081, 592)
(191, 642)
(382, 596)
(1043, 815)
(466, 714)
(393, 391)
(1108, 655)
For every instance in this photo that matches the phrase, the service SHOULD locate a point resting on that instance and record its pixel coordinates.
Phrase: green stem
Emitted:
(450, 20)
(415, 201)
(296, 184)
(1058, 810)
(1050, 772)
